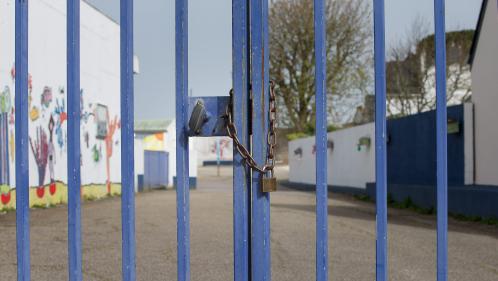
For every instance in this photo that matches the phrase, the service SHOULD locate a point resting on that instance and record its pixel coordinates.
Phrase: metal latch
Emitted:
(213, 116)
(197, 118)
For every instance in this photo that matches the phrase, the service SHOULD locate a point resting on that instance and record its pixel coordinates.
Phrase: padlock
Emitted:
(269, 184)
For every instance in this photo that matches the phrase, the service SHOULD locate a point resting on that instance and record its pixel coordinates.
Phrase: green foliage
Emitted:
(363, 197)
(41, 206)
(295, 136)
(309, 131)
(331, 128)
(7, 210)
(89, 197)
(488, 221)
(408, 203)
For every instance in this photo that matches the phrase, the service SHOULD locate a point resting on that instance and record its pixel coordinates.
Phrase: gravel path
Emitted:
(473, 248)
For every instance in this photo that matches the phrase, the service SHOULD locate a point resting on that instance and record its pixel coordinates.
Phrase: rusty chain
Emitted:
(271, 137)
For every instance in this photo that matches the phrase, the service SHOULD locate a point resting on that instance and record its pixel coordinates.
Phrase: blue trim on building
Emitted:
(469, 200)
(214, 163)
(330, 188)
(192, 182)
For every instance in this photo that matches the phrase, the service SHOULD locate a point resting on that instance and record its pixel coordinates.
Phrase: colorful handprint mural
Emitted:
(48, 115)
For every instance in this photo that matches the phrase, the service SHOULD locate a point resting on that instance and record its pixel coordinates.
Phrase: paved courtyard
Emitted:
(473, 248)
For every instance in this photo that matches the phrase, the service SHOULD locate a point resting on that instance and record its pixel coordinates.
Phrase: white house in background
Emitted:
(160, 136)
(484, 68)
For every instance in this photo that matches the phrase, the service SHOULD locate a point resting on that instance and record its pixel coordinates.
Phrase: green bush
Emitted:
(295, 136)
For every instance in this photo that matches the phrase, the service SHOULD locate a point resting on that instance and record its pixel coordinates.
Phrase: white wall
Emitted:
(139, 158)
(170, 144)
(347, 166)
(485, 99)
(206, 149)
(468, 130)
(47, 66)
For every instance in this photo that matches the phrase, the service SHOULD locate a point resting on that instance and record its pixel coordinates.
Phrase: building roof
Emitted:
(100, 11)
(410, 71)
(477, 33)
(152, 126)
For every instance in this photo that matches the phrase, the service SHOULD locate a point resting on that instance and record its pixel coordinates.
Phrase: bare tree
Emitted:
(411, 70)
(292, 58)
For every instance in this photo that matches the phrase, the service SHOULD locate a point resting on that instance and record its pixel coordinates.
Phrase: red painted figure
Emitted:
(111, 129)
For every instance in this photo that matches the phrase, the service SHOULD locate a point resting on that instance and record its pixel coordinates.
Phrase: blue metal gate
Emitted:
(251, 206)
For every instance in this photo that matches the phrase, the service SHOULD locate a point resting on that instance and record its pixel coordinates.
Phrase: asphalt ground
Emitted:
(473, 247)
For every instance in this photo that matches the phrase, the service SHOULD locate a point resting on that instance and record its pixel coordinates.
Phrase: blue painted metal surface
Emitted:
(127, 143)
(21, 127)
(73, 140)
(260, 230)
(182, 157)
(380, 140)
(192, 181)
(241, 173)
(321, 142)
(215, 124)
(441, 142)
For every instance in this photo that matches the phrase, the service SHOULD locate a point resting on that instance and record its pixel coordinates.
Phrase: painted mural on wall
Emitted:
(112, 127)
(222, 148)
(48, 105)
(48, 115)
(40, 152)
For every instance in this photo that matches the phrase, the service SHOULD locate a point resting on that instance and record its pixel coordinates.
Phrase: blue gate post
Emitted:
(73, 137)
(241, 173)
(182, 157)
(127, 143)
(260, 231)
(441, 136)
(21, 128)
(321, 142)
(380, 140)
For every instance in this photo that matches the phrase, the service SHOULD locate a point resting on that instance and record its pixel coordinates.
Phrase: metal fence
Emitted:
(251, 216)
(251, 233)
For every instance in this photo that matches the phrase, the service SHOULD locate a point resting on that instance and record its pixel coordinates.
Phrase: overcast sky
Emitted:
(210, 44)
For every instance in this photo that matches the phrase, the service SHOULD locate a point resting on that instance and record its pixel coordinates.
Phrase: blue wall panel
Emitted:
(155, 169)
(461, 199)
(411, 149)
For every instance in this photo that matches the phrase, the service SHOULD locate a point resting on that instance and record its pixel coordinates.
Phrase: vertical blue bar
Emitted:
(380, 140)
(182, 172)
(241, 173)
(21, 127)
(321, 143)
(127, 143)
(73, 136)
(441, 134)
(260, 231)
